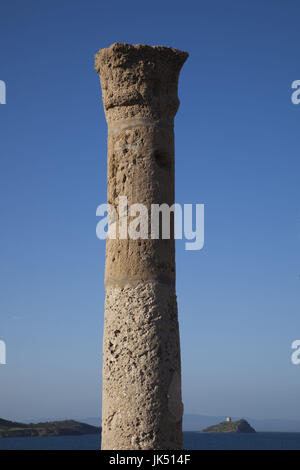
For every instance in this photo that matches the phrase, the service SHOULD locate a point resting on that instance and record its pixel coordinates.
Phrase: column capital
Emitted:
(139, 81)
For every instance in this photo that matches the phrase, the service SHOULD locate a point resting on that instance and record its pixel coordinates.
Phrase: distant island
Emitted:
(51, 428)
(240, 426)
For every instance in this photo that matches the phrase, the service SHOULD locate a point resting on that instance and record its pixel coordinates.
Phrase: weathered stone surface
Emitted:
(142, 406)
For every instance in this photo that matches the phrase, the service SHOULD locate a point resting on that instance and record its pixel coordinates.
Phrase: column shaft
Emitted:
(142, 407)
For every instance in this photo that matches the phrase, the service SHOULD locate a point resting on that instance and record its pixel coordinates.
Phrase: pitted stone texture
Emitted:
(143, 79)
(143, 407)
(141, 166)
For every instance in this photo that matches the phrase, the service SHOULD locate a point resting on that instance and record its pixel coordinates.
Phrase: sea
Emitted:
(192, 441)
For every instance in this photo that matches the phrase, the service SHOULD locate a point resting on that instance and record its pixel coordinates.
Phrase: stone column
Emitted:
(142, 407)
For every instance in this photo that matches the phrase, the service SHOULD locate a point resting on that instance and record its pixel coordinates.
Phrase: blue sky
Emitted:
(237, 140)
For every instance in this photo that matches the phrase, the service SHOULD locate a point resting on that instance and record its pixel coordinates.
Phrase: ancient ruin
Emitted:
(142, 406)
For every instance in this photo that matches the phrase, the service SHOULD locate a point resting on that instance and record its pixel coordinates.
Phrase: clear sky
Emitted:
(237, 151)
